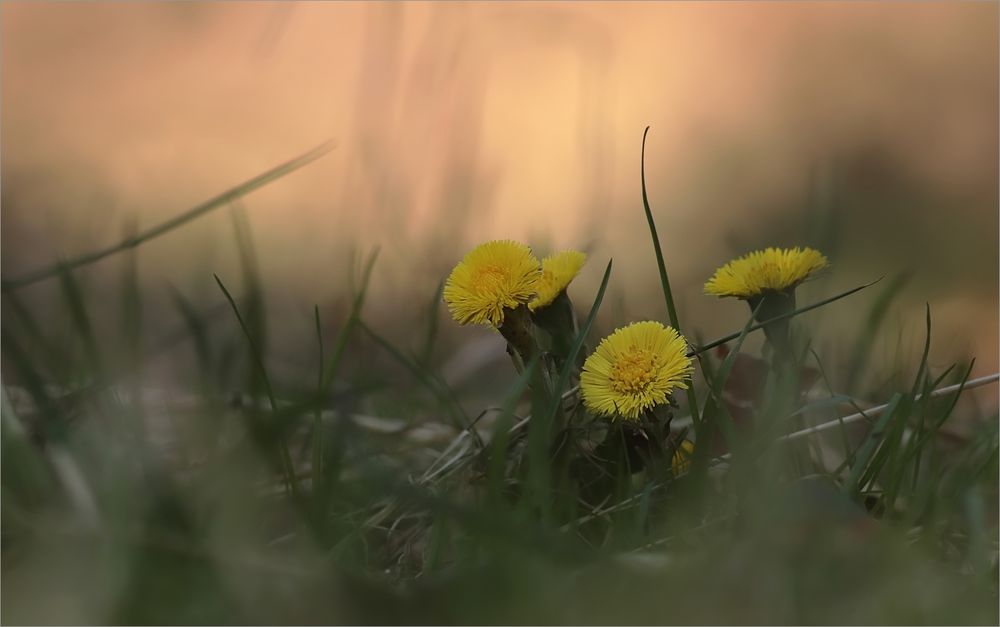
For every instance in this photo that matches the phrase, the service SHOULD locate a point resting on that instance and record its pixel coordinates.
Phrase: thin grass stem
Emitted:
(209, 205)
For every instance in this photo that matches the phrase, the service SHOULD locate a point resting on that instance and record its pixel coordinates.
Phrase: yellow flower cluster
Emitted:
(501, 275)
(769, 270)
(638, 366)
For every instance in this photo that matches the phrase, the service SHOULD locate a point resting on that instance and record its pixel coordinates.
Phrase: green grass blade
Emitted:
(54, 421)
(437, 387)
(892, 451)
(501, 433)
(254, 308)
(922, 440)
(353, 320)
(581, 337)
(716, 412)
(81, 321)
(291, 478)
(53, 360)
(722, 375)
(128, 365)
(209, 205)
(546, 407)
(853, 485)
(893, 454)
(430, 336)
(27, 478)
(317, 452)
(842, 431)
(922, 368)
(131, 314)
(661, 266)
(861, 354)
(801, 310)
(197, 331)
(919, 429)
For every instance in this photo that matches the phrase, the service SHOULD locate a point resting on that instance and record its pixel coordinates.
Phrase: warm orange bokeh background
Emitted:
(868, 127)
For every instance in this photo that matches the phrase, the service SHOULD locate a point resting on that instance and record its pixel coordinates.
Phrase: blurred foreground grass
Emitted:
(367, 491)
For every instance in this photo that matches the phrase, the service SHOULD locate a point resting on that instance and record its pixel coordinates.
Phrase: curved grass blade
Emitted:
(661, 266)
(286, 457)
(889, 455)
(581, 337)
(546, 409)
(801, 310)
(855, 481)
(352, 320)
(965, 383)
(254, 309)
(196, 212)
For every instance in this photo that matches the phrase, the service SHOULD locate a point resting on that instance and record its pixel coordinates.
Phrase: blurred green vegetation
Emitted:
(365, 485)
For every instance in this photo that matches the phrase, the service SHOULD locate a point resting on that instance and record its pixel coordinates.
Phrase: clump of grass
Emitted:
(373, 495)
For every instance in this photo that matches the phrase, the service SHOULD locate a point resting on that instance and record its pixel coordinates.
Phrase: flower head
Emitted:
(770, 270)
(490, 279)
(557, 272)
(634, 369)
(681, 461)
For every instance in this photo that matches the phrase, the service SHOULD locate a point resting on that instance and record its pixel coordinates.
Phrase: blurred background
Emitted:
(867, 130)
(140, 466)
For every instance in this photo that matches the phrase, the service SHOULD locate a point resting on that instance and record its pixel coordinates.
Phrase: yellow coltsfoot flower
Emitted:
(635, 369)
(763, 271)
(766, 280)
(681, 461)
(558, 270)
(490, 280)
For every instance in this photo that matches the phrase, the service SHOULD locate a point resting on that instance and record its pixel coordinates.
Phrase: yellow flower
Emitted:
(490, 279)
(770, 270)
(682, 458)
(557, 272)
(634, 369)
